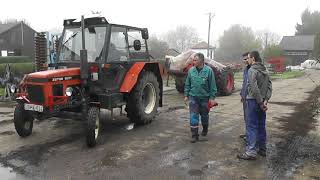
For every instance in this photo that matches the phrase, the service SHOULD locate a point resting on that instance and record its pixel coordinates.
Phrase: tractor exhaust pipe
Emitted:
(83, 57)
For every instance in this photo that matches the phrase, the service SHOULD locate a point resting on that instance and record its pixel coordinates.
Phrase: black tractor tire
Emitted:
(227, 82)
(179, 82)
(23, 120)
(93, 126)
(143, 100)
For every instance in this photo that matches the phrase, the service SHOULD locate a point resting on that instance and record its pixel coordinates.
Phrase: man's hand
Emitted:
(186, 99)
(241, 99)
(265, 103)
(263, 106)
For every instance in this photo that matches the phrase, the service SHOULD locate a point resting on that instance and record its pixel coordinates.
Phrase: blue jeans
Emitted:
(198, 107)
(256, 128)
(244, 105)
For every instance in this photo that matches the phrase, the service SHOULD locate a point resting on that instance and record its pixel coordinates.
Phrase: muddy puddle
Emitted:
(8, 174)
(300, 144)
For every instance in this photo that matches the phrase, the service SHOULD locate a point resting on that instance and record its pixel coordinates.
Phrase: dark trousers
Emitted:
(198, 107)
(256, 128)
(244, 105)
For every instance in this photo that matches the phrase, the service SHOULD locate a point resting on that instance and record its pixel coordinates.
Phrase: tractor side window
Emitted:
(136, 54)
(118, 46)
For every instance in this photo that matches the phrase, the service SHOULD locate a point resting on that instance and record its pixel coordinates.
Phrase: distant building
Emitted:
(202, 47)
(297, 49)
(16, 39)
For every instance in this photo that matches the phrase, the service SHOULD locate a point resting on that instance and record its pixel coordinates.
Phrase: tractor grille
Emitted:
(57, 90)
(35, 93)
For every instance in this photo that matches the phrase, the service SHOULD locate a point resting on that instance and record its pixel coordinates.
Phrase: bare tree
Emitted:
(157, 47)
(235, 41)
(268, 38)
(182, 38)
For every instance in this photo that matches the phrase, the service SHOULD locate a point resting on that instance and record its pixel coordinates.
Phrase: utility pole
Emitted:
(266, 43)
(265, 46)
(210, 16)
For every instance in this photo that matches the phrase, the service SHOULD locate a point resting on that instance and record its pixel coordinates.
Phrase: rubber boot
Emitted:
(195, 135)
(204, 130)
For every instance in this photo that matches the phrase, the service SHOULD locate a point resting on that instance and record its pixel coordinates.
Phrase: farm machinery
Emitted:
(98, 66)
(180, 64)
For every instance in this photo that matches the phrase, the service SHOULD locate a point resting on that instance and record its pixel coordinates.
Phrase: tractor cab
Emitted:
(104, 42)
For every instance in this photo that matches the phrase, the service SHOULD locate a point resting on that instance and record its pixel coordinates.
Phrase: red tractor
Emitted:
(99, 66)
(179, 66)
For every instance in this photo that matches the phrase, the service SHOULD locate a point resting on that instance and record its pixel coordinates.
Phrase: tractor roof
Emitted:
(94, 21)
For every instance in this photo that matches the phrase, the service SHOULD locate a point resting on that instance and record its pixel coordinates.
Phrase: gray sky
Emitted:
(163, 15)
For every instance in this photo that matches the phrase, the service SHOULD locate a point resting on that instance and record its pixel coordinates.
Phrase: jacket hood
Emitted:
(259, 67)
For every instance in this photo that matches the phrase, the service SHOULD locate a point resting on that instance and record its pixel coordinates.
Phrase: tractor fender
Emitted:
(131, 77)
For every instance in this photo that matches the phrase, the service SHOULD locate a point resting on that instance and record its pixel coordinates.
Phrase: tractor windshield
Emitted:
(72, 43)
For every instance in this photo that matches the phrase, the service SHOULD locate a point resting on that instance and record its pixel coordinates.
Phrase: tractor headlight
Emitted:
(13, 88)
(69, 91)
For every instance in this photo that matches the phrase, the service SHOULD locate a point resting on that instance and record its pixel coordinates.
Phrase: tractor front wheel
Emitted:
(93, 126)
(143, 100)
(23, 121)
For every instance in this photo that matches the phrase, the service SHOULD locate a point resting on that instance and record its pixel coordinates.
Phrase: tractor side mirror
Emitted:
(145, 34)
(137, 45)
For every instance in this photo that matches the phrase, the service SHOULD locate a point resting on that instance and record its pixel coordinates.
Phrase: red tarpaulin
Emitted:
(278, 63)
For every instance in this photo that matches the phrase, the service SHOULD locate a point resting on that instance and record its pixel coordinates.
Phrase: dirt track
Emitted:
(161, 150)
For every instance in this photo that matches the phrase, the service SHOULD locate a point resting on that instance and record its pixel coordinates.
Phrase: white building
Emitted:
(202, 47)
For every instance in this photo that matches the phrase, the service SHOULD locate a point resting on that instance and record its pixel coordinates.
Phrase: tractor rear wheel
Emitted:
(143, 100)
(23, 121)
(93, 126)
(227, 83)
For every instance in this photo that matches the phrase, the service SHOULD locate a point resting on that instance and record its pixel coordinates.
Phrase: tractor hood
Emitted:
(56, 75)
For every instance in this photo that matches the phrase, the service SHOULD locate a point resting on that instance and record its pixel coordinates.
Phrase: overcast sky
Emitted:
(163, 15)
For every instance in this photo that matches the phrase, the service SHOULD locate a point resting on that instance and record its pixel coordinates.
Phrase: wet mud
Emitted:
(297, 146)
(33, 155)
(5, 122)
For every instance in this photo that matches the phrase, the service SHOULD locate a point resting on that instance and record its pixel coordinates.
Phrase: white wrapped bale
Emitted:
(181, 61)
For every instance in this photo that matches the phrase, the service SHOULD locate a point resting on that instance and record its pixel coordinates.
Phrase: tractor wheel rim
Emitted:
(149, 98)
(96, 129)
(27, 125)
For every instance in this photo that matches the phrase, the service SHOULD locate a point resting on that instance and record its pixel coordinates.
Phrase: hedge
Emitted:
(16, 59)
(18, 69)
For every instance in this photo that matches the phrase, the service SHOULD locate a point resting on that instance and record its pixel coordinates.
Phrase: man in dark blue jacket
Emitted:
(244, 90)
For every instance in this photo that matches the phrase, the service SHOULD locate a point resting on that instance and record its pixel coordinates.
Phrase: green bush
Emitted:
(16, 59)
(1, 91)
(18, 68)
